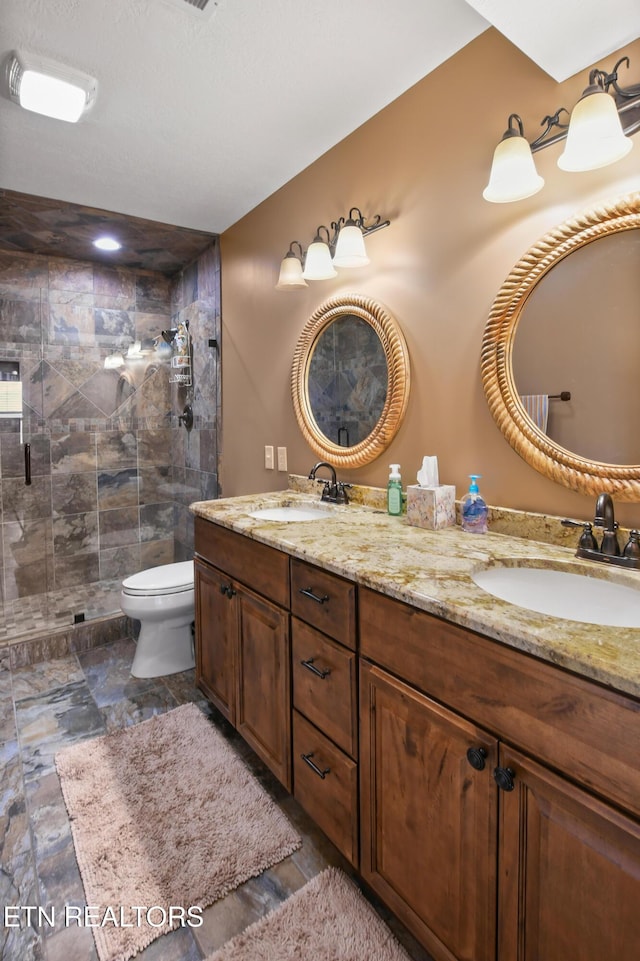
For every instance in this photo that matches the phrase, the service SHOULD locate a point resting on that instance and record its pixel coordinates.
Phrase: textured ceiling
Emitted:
(199, 120)
(200, 117)
(568, 36)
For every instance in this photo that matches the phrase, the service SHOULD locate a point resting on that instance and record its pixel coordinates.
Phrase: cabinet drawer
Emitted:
(327, 698)
(585, 731)
(330, 794)
(324, 600)
(263, 568)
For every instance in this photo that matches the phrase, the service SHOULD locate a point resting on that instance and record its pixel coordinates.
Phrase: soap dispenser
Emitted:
(394, 491)
(474, 509)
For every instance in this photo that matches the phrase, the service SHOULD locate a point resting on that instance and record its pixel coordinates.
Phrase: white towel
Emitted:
(537, 407)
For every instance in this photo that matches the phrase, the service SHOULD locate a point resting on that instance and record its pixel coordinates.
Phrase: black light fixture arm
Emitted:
(354, 218)
(627, 101)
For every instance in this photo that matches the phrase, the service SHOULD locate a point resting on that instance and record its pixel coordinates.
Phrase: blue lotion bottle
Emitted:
(474, 509)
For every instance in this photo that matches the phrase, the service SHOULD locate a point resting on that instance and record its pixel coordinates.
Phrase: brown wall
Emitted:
(422, 162)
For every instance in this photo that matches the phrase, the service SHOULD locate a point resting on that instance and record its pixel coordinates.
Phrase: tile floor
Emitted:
(48, 705)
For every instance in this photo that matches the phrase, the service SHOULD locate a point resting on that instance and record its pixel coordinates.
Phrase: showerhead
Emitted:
(169, 335)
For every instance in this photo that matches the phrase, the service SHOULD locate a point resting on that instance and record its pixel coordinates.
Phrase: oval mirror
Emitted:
(350, 380)
(561, 348)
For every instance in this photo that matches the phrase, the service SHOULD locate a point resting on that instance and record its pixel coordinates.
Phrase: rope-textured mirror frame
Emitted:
(534, 446)
(398, 379)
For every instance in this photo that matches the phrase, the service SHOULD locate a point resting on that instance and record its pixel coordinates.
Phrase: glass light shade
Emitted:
(595, 137)
(350, 249)
(318, 265)
(513, 172)
(290, 277)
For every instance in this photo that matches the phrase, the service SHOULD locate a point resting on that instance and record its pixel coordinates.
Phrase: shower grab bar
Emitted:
(27, 464)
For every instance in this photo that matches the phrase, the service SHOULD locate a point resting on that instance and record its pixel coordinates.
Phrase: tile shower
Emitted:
(112, 471)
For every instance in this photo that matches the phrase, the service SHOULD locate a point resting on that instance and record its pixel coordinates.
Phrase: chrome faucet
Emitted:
(334, 490)
(605, 518)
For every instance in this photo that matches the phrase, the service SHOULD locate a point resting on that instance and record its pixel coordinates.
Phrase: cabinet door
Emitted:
(429, 819)
(263, 715)
(216, 638)
(569, 871)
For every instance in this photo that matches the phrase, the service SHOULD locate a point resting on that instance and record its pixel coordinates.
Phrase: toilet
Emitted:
(162, 599)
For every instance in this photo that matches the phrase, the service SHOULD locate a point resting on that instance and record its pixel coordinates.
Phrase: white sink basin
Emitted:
(289, 514)
(575, 597)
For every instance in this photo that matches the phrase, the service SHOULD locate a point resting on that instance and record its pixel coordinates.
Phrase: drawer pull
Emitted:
(308, 592)
(314, 767)
(319, 672)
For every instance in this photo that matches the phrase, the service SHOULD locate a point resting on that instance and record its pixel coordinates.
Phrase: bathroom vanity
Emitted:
(477, 762)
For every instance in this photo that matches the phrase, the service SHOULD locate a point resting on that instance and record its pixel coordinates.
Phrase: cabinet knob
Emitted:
(503, 776)
(476, 757)
(228, 590)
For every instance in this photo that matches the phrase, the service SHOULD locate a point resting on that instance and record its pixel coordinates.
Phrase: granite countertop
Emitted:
(432, 571)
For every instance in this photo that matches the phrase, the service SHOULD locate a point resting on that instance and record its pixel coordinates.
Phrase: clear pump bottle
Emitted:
(474, 509)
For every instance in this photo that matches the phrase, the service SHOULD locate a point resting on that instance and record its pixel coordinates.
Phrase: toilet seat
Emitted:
(166, 579)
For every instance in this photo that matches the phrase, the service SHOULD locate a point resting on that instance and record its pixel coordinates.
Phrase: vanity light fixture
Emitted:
(49, 88)
(291, 269)
(318, 264)
(598, 134)
(343, 248)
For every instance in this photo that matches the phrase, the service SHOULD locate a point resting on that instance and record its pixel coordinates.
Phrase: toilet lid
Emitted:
(166, 579)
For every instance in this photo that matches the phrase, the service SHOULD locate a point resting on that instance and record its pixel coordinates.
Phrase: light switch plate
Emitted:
(282, 458)
(268, 457)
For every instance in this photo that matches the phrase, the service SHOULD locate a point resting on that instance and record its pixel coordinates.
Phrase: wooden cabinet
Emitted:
(325, 721)
(491, 799)
(569, 871)
(216, 639)
(243, 643)
(429, 819)
(434, 828)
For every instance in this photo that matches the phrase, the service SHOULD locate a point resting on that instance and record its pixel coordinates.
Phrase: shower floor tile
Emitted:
(41, 613)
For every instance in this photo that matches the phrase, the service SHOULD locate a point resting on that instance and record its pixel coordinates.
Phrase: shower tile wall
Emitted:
(196, 453)
(103, 441)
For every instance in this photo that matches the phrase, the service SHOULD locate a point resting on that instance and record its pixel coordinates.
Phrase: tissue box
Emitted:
(431, 507)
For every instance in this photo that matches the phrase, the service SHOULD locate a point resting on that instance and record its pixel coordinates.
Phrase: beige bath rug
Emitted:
(326, 920)
(166, 819)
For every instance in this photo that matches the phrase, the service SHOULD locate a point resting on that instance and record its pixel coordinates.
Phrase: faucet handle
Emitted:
(632, 547)
(587, 539)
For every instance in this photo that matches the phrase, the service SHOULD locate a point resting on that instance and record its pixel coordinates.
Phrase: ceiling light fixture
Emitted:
(107, 243)
(344, 248)
(598, 134)
(46, 87)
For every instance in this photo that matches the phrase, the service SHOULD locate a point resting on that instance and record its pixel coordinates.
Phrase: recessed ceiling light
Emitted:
(50, 88)
(107, 243)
